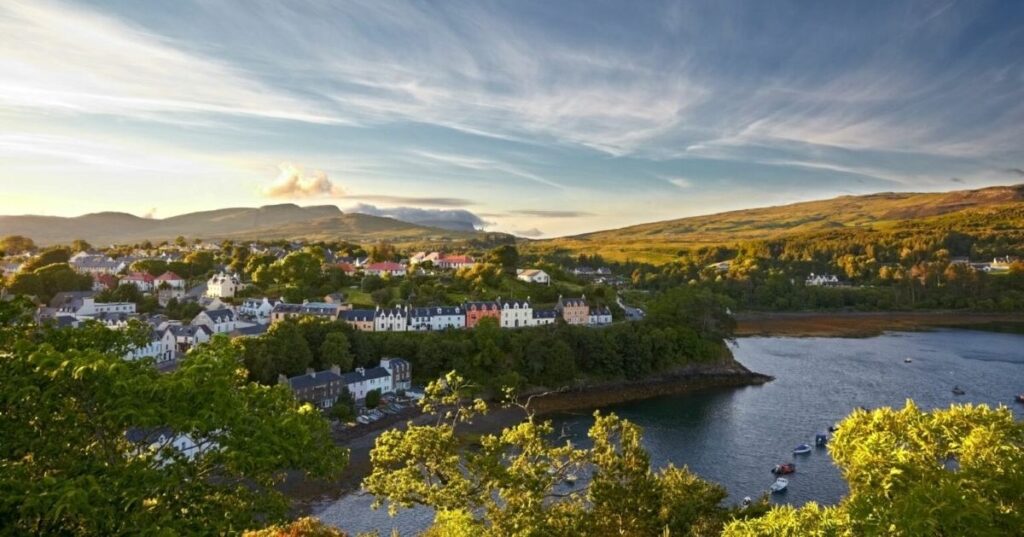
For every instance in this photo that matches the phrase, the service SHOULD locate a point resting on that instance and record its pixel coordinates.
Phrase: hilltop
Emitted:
(987, 208)
(284, 221)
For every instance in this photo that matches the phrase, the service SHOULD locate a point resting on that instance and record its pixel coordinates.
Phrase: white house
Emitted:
(164, 438)
(822, 280)
(600, 316)
(223, 285)
(443, 317)
(390, 319)
(221, 321)
(171, 279)
(143, 281)
(386, 268)
(161, 346)
(88, 307)
(419, 319)
(96, 264)
(515, 313)
(361, 381)
(257, 309)
(187, 337)
(533, 276)
(542, 317)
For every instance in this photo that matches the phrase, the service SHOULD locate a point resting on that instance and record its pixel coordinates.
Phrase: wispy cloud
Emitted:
(532, 233)
(63, 59)
(550, 214)
(413, 200)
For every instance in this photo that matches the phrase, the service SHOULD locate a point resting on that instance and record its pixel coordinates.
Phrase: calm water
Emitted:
(734, 436)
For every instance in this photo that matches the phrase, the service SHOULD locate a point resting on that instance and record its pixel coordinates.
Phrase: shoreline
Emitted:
(310, 495)
(868, 324)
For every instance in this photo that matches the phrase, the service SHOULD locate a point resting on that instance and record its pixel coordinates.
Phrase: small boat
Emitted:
(783, 469)
(779, 485)
(747, 501)
(802, 449)
(1020, 397)
(820, 439)
(908, 360)
(957, 390)
(570, 479)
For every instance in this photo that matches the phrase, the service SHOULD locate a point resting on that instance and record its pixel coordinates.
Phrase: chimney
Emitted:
(311, 372)
(361, 371)
(335, 369)
(281, 379)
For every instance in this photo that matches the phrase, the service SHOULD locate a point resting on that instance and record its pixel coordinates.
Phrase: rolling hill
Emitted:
(285, 221)
(660, 241)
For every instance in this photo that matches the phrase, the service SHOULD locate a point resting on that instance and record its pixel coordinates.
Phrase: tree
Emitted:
(82, 451)
(47, 257)
(957, 471)
(506, 257)
(303, 527)
(372, 398)
(16, 244)
(80, 245)
(335, 351)
(513, 484)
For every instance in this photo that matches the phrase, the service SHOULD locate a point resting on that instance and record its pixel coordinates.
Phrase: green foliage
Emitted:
(16, 244)
(154, 267)
(372, 398)
(46, 281)
(335, 351)
(958, 471)
(71, 404)
(515, 482)
(46, 257)
(506, 257)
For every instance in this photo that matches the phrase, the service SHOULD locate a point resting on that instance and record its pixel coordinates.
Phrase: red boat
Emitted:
(783, 469)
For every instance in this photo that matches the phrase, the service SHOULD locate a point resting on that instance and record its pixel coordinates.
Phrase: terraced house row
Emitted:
(511, 313)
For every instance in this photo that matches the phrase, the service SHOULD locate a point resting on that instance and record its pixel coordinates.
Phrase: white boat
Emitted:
(802, 449)
(779, 485)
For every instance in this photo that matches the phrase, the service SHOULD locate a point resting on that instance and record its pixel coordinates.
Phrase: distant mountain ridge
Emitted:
(283, 221)
(658, 241)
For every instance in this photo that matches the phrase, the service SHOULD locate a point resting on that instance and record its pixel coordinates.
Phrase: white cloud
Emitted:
(293, 182)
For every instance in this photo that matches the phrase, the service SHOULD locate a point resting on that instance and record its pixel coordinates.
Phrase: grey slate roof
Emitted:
(357, 315)
(221, 316)
(371, 373)
(308, 380)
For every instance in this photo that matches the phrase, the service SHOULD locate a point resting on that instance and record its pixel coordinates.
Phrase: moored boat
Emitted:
(783, 469)
(779, 485)
(1020, 397)
(907, 360)
(820, 439)
(957, 390)
(802, 449)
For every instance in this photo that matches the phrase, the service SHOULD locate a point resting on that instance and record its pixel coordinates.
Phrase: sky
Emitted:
(532, 117)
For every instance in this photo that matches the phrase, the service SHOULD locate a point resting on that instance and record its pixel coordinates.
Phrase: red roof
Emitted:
(106, 279)
(460, 259)
(386, 266)
(347, 268)
(140, 276)
(168, 276)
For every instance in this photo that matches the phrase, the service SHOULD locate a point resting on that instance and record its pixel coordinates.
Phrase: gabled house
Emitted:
(600, 316)
(401, 372)
(223, 285)
(219, 321)
(171, 280)
(574, 310)
(96, 264)
(515, 313)
(161, 347)
(257, 309)
(390, 319)
(187, 337)
(454, 262)
(822, 280)
(104, 282)
(533, 276)
(143, 281)
(477, 311)
(543, 317)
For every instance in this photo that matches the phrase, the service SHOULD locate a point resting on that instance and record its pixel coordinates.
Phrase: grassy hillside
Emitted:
(286, 221)
(984, 209)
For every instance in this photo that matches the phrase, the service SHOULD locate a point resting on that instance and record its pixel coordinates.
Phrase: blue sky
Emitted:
(539, 118)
